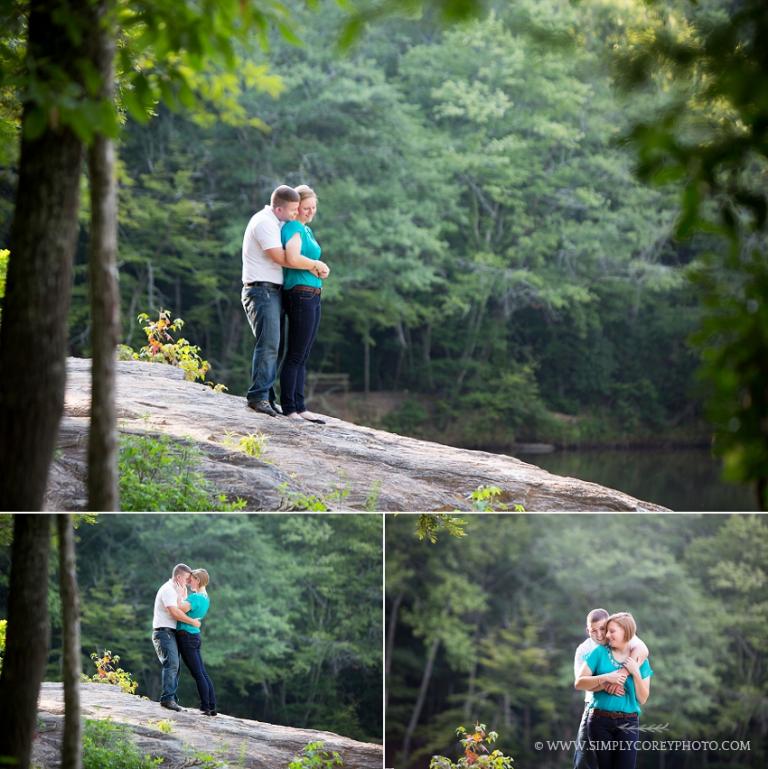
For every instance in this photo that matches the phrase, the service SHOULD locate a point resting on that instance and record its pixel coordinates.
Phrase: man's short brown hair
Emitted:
(282, 195)
(596, 615)
(180, 568)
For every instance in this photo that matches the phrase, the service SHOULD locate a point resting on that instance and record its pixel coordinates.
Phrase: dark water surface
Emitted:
(680, 479)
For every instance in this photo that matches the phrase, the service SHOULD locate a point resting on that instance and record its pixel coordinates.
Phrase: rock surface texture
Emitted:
(349, 466)
(234, 743)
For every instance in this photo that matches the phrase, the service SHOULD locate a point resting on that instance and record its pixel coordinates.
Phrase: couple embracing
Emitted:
(612, 668)
(180, 605)
(282, 272)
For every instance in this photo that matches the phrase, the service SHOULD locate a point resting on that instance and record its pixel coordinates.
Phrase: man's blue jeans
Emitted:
(167, 650)
(262, 305)
(584, 758)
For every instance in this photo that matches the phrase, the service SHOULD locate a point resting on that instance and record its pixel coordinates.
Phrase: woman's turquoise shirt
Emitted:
(199, 604)
(309, 248)
(600, 660)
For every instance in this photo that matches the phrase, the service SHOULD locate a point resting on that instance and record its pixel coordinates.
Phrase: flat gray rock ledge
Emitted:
(349, 466)
(236, 743)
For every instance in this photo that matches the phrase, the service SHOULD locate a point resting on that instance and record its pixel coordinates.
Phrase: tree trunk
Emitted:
(33, 336)
(27, 634)
(390, 648)
(425, 679)
(151, 290)
(426, 355)
(366, 363)
(71, 747)
(105, 296)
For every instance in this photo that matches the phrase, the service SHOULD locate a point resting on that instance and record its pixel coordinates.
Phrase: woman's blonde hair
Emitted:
(305, 191)
(203, 579)
(624, 620)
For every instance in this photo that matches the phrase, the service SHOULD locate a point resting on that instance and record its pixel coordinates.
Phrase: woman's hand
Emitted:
(632, 667)
(617, 677)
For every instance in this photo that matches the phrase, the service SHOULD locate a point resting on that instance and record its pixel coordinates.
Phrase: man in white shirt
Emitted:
(263, 261)
(166, 614)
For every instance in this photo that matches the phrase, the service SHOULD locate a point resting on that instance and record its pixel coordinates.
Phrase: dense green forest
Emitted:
(485, 627)
(294, 632)
(490, 246)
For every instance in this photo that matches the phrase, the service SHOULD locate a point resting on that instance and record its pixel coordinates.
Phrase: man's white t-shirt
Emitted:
(582, 652)
(166, 596)
(262, 232)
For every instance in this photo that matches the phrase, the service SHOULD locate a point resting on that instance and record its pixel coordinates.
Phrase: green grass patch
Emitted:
(107, 745)
(159, 474)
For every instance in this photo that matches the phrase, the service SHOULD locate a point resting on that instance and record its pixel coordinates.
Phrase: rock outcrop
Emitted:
(350, 466)
(233, 743)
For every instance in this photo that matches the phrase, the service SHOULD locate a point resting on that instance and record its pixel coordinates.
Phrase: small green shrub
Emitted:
(125, 352)
(162, 348)
(253, 444)
(203, 760)
(313, 756)
(476, 752)
(164, 725)
(298, 500)
(372, 500)
(109, 746)
(157, 474)
(108, 672)
(487, 499)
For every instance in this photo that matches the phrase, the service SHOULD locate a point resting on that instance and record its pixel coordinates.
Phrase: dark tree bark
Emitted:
(26, 648)
(390, 647)
(71, 746)
(426, 677)
(367, 363)
(105, 296)
(33, 336)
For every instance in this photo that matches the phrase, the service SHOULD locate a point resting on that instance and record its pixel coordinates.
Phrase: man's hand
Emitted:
(617, 689)
(193, 622)
(321, 269)
(617, 677)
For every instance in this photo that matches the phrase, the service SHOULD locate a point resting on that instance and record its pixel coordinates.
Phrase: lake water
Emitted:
(680, 479)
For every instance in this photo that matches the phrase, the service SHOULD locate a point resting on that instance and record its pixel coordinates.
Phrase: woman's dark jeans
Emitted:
(623, 733)
(303, 311)
(189, 649)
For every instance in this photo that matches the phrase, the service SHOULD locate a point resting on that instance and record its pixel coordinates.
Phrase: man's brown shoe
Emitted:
(262, 407)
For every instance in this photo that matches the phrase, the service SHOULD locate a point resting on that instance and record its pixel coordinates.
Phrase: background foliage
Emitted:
(294, 632)
(499, 613)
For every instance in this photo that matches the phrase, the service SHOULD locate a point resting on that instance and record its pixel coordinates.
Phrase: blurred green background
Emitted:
(484, 628)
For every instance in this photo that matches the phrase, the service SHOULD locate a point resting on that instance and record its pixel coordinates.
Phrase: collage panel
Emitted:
(211, 641)
(584, 641)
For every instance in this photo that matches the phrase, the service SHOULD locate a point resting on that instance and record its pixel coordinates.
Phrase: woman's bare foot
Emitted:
(310, 417)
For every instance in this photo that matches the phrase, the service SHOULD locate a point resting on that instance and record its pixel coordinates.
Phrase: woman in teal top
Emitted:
(301, 302)
(614, 719)
(189, 639)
